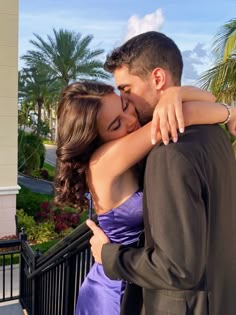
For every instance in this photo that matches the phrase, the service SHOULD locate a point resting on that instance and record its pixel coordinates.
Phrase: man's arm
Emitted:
(176, 213)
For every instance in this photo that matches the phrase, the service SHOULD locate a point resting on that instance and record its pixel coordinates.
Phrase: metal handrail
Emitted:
(80, 231)
(55, 259)
(50, 282)
(9, 243)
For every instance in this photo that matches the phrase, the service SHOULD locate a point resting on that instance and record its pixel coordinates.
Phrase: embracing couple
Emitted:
(166, 241)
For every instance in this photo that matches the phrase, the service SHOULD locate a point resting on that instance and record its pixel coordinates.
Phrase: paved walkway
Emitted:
(36, 185)
(10, 274)
(11, 308)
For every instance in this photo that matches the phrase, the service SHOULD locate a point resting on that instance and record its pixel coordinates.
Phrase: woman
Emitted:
(99, 142)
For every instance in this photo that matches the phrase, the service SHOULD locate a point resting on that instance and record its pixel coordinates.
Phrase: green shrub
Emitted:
(25, 221)
(41, 232)
(84, 216)
(30, 201)
(47, 172)
(35, 173)
(8, 261)
(31, 152)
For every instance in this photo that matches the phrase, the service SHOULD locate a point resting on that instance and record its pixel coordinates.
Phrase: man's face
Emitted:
(140, 93)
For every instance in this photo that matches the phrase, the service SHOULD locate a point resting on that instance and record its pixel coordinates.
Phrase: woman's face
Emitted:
(116, 118)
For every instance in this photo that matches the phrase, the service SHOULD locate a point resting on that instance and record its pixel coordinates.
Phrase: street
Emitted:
(37, 185)
(50, 157)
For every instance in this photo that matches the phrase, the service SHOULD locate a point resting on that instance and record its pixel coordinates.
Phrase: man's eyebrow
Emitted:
(112, 123)
(122, 86)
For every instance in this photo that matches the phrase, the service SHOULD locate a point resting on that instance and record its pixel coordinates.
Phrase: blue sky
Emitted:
(191, 24)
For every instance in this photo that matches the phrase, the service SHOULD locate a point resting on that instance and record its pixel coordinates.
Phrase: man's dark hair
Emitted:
(145, 52)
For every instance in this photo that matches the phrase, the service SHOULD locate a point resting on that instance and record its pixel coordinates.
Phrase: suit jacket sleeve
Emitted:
(174, 254)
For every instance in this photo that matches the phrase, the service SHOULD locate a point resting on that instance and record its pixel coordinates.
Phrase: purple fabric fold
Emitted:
(98, 294)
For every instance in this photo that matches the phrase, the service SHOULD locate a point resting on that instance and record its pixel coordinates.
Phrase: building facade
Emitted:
(8, 115)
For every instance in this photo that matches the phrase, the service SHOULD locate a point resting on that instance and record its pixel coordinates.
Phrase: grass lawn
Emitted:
(43, 247)
(47, 141)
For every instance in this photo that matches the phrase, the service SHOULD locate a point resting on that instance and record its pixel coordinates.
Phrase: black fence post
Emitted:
(70, 286)
(35, 287)
(23, 238)
(50, 282)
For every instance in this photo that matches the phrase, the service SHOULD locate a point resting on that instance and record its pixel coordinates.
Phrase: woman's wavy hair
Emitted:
(77, 139)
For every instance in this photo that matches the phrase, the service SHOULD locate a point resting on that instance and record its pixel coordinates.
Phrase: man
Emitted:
(188, 262)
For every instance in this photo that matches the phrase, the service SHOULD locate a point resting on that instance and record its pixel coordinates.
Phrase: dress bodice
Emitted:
(124, 223)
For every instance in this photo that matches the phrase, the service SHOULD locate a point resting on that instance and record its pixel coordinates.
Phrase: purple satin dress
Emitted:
(98, 294)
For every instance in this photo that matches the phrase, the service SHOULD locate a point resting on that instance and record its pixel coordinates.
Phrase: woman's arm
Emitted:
(198, 113)
(114, 158)
(192, 93)
(168, 114)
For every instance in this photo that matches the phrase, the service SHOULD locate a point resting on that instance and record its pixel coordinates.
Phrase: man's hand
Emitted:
(98, 239)
(168, 115)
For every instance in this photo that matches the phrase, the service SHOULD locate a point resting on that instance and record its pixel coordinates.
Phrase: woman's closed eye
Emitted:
(117, 126)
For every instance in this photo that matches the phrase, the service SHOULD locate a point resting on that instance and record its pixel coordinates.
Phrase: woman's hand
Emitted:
(168, 115)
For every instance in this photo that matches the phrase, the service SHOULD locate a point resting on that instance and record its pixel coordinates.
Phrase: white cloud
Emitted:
(150, 22)
(195, 61)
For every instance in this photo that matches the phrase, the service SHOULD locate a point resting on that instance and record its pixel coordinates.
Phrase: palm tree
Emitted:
(50, 107)
(66, 56)
(35, 85)
(221, 78)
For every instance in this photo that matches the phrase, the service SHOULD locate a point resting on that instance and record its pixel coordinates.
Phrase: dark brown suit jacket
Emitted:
(188, 263)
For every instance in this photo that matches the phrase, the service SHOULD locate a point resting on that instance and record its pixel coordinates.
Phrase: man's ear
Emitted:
(159, 78)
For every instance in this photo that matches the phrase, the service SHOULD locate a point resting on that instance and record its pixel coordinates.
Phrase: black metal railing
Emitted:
(49, 283)
(9, 269)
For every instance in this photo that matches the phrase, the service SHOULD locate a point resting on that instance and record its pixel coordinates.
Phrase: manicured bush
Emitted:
(43, 232)
(24, 221)
(37, 232)
(47, 172)
(64, 219)
(30, 201)
(48, 223)
(44, 173)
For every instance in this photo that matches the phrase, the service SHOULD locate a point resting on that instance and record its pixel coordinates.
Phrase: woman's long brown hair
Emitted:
(77, 140)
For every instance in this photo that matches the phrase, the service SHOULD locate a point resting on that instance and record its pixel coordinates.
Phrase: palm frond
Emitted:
(221, 78)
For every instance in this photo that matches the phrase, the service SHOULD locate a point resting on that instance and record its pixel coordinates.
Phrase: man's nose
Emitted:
(130, 120)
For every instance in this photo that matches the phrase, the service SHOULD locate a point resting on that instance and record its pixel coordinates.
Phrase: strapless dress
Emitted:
(99, 295)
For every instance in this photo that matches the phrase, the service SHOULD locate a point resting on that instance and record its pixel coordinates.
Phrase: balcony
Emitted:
(45, 284)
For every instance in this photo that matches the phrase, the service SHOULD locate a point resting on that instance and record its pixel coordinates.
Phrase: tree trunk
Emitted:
(40, 105)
